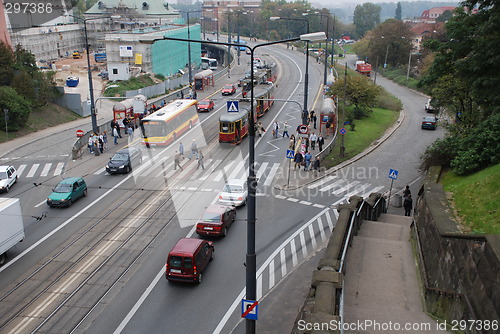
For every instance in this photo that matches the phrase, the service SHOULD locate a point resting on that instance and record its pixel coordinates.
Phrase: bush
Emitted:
(160, 77)
(19, 109)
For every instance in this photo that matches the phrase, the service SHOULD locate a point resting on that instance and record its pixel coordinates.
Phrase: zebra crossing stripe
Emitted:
(333, 185)
(214, 166)
(259, 287)
(329, 220)
(59, 169)
(271, 175)
(303, 244)
(261, 170)
(311, 234)
(199, 171)
(283, 262)
(223, 172)
(321, 229)
(32, 171)
(20, 170)
(293, 249)
(321, 182)
(46, 169)
(374, 190)
(271, 274)
(345, 188)
(236, 170)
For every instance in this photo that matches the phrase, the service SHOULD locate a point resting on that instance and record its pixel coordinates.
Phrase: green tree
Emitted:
(398, 13)
(366, 17)
(6, 64)
(447, 14)
(19, 108)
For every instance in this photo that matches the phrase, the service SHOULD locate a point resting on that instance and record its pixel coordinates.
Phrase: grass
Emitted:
(42, 118)
(120, 87)
(474, 199)
(367, 130)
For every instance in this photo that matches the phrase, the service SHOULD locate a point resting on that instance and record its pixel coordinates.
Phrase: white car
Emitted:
(235, 193)
(8, 176)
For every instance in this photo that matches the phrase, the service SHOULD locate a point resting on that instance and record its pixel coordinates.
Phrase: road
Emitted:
(98, 266)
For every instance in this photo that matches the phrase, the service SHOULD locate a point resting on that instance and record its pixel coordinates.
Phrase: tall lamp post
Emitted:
(190, 71)
(306, 81)
(93, 114)
(325, 74)
(251, 257)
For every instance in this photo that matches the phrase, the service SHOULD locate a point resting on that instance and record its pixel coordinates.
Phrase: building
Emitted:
(215, 11)
(127, 56)
(430, 15)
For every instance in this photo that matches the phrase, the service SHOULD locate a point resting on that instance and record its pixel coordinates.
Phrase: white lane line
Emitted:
(283, 262)
(294, 253)
(20, 170)
(321, 229)
(271, 174)
(321, 182)
(280, 196)
(319, 206)
(259, 287)
(271, 274)
(331, 186)
(303, 244)
(261, 170)
(46, 169)
(329, 220)
(59, 169)
(32, 171)
(305, 202)
(345, 188)
(313, 237)
(41, 203)
(292, 199)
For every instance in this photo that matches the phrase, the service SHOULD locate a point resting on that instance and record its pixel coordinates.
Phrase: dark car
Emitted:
(216, 220)
(67, 191)
(429, 122)
(123, 160)
(229, 89)
(205, 105)
(188, 260)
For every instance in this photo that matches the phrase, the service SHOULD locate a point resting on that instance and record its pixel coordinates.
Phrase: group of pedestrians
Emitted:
(195, 152)
(407, 201)
(98, 142)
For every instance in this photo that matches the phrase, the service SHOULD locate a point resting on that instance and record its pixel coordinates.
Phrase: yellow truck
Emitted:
(77, 54)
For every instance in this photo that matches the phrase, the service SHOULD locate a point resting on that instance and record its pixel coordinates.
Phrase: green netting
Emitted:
(170, 56)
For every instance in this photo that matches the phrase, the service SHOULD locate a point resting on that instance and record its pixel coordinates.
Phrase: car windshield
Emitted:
(120, 157)
(3, 175)
(233, 188)
(228, 87)
(63, 188)
(211, 217)
(204, 103)
(429, 119)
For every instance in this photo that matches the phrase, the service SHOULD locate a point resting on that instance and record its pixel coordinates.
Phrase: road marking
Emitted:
(292, 199)
(236, 170)
(305, 202)
(271, 174)
(259, 287)
(41, 203)
(303, 244)
(271, 274)
(329, 220)
(319, 206)
(345, 188)
(59, 169)
(20, 170)
(283, 262)
(214, 166)
(32, 171)
(321, 229)
(280, 196)
(294, 252)
(321, 182)
(46, 169)
(358, 190)
(223, 172)
(261, 170)
(333, 185)
(313, 237)
(374, 190)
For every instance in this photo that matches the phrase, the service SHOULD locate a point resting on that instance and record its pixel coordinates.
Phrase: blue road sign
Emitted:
(393, 174)
(343, 131)
(249, 309)
(232, 106)
(290, 154)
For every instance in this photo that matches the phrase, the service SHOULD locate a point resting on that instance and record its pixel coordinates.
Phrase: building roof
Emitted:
(145, 7)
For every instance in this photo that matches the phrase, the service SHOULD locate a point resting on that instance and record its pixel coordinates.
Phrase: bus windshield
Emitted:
(153, 129)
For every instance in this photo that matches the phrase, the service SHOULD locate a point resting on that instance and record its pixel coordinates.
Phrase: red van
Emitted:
(188, 259)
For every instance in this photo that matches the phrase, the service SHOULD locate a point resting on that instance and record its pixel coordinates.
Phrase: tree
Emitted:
(19, 108)
(447, 14)
(6, 64)
(398, 13)
(366, 17)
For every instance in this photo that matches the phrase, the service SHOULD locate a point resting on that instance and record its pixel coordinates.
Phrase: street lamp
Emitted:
(306, 81)
(326, 43)
(190, 71)
(251, 258)
(93, 115)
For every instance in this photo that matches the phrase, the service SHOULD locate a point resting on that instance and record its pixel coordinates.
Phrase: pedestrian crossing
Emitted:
(35, 170)
(345, 188)
(297, 247)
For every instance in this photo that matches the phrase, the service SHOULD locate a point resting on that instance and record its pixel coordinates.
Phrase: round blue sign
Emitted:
(343, 131)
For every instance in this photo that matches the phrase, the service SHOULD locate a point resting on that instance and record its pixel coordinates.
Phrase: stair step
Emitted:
(385, 231)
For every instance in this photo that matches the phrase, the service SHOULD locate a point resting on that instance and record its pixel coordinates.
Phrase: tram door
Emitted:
(237, 130)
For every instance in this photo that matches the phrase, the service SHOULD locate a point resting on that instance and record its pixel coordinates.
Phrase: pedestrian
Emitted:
(316, 164)
(260, 128)
(130, 132)
(200, 161)
(311, 116)
(315, 119)
(177, 160)
(194, 150)
(313, 138)
(105, 140)
(307, 159)
(292, 142)
(100, 143)
(276, 129)
(306, 144)
(408, 205)
(297, 159)
(115, 134)
(181, 150)
(91, 144)
(321, 142)
(406, 192)
(285, 129)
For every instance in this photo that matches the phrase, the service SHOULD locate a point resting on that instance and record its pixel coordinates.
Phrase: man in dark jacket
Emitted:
(408, 205)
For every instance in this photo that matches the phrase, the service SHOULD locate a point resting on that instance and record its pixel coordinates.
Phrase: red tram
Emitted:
(234, 126)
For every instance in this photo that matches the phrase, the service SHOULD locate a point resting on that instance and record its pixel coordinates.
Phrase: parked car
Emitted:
(205, 105)
(123, 160)
(188, 260)
(216, 220)
(429, 107)
(8, 176)
(229, 89)
(67, 191)
(429, 122)
(235, 193)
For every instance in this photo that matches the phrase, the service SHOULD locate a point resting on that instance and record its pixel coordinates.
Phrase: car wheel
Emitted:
(3, 259)
(85, 193)
(212, 255)
(70, 202)
(127, 169)
(15, 180)
(224, 233)
(199, 278)
(7, 188)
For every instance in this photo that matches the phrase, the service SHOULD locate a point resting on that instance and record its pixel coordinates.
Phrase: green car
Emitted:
(67, 191)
